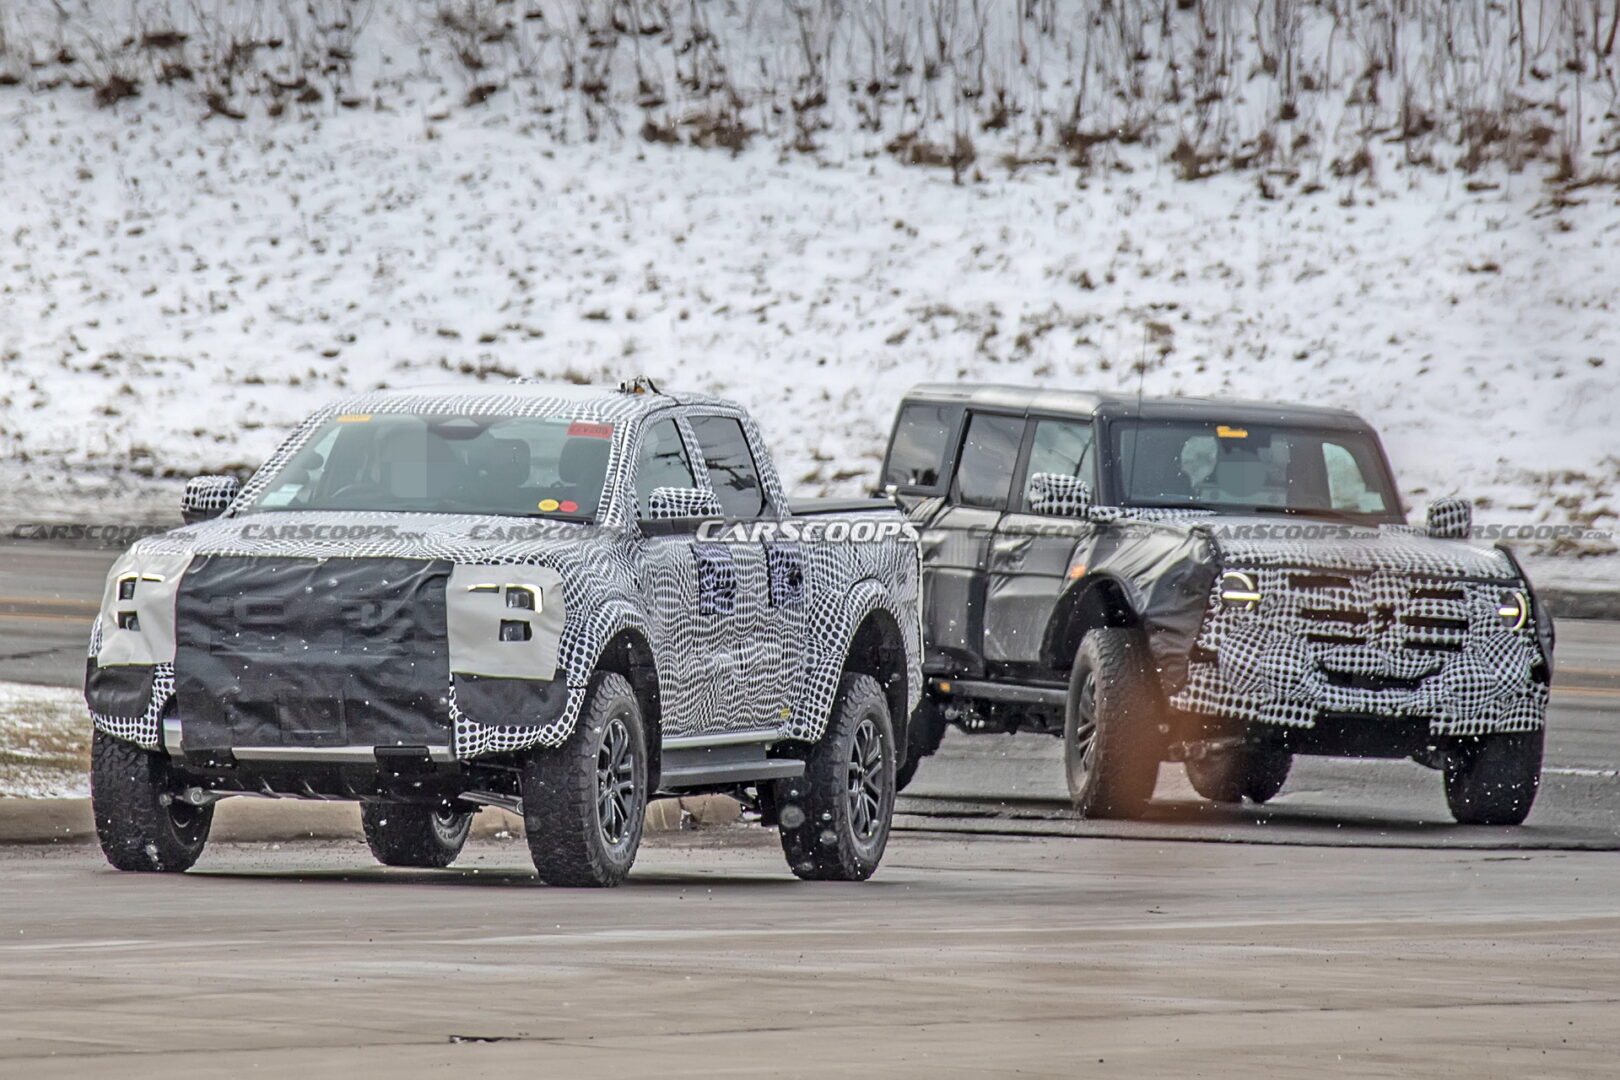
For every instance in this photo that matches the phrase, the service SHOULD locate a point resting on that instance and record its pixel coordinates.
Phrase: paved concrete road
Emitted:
(964, 958)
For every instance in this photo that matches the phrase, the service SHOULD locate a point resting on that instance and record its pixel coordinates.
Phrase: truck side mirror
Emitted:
(666, 503)
(207, 497)
(1057, 495)
(1451, 518)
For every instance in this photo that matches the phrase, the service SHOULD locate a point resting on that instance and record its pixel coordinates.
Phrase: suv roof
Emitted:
(1090, 402)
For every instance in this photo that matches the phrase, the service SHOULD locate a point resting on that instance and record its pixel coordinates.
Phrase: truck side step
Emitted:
(722, 766)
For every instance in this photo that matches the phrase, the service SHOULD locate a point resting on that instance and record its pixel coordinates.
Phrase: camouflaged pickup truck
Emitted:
(558, 600)
(1225, 584)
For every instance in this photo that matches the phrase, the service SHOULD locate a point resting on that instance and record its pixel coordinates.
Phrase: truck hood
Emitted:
(455, 538)
(1265, 540)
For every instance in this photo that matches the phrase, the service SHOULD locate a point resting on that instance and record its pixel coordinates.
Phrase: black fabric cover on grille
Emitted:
(312, 652)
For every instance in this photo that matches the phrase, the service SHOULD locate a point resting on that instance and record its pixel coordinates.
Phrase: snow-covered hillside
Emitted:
(178, 287)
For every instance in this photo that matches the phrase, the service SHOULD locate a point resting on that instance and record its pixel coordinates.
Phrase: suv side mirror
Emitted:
(207, 497)
(1451, 518)
(1059, 496)
(666, 503)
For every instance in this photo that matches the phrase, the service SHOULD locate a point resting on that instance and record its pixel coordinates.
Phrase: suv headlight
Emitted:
(1238, 590)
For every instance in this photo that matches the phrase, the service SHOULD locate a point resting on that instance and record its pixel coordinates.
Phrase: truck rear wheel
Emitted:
(834, 820)
(923, 736)
(139, 821)
(1110, 745)
(1226, 776)
(1493, 779)
(585, 802)
(408, 834)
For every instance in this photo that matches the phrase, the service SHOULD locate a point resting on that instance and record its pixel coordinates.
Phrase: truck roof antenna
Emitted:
(639, 384)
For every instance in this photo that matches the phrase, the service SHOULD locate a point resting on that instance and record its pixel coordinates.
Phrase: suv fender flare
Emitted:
(1093, 601)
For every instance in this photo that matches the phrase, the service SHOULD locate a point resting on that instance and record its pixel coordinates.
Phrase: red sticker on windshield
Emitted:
(569, 506)
(591, 431)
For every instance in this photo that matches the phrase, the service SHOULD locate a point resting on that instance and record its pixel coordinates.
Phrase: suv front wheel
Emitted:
(1110, 741)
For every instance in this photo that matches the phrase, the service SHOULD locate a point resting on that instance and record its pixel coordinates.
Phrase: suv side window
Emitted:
(917, 451)
(989, 455)
(1063, 447)
(662, 462)
(731, 465)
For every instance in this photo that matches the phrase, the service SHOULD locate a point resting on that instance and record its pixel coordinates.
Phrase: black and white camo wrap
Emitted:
(773, 662)
(1392, 623)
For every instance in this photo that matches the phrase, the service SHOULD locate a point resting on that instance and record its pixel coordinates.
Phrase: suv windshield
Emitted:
(514, 466)
(1251, 467)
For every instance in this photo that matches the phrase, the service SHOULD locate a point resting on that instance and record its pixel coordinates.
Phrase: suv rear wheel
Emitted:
(408, 834)
(835, 819)
(1110, 743)
(1492, 779)
(585, 802)
(141, 823)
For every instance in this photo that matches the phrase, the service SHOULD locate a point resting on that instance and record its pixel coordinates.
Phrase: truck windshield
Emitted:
(513, 466)
(1248, 467)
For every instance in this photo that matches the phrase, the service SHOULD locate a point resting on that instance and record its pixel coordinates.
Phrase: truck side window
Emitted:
(917, 454)
(1062, 447)
(989, 454)
(731, 465)
(662, 462)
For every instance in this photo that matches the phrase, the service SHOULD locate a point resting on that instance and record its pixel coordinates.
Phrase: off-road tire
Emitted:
(139, 823)
(923, 736)
(834, 820)
(583, 824)
(1111, 743)
(1226, 776)
(1493, 779)
(409, 834)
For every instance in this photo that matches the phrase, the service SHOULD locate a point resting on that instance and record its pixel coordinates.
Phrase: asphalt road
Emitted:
(963, 958)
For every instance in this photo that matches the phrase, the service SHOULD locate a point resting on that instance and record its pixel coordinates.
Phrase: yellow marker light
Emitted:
(354, 418)
(1238, 589)
(944, 687)
(1231, 432)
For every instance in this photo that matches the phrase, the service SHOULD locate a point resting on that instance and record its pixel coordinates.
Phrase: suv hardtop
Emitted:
(1223, 583)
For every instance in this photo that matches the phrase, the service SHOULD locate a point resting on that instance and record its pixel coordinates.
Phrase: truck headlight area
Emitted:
(1513, 609)
(1239, 591)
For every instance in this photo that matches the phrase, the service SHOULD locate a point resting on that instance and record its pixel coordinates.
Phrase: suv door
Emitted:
(1031, 554)
(956, 543)
(752, 671)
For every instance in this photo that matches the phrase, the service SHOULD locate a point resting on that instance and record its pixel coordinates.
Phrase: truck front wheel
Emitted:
(1492, 779)
(585, 802)
(835, 818)
(407, 834)
(1110, 744)
(140, 821)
